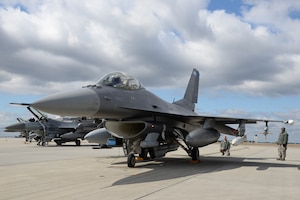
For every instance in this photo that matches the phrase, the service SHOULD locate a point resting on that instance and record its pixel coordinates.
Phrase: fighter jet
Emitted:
(266, 131)
(30, 129)
(146, 123)
(60, 130)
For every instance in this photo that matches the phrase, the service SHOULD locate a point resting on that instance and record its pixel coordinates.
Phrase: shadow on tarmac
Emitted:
(172, 168)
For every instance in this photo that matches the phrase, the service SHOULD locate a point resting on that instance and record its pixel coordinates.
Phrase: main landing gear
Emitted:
(131, 160)
(77, 142)
(195, 155)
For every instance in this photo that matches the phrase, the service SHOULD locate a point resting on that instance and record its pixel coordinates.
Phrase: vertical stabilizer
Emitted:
(191, 93)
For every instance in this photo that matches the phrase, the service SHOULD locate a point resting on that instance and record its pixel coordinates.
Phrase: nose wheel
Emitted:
(131, 160)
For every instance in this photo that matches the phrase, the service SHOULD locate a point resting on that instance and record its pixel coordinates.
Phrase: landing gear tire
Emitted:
(77, 142)
(143, 154)
(131, 160)
(195, 154)
(151, 153)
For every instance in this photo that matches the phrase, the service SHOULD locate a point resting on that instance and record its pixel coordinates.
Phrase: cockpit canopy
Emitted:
(120, 80)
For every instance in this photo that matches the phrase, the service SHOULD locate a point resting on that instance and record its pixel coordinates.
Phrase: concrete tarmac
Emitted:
(28, 171)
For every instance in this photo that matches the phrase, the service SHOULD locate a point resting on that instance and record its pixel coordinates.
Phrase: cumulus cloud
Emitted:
(73, 41)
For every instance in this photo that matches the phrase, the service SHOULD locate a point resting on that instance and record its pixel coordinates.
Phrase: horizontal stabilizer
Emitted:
(20, 104)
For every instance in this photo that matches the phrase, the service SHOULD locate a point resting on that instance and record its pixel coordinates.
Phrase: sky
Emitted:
(247, 52)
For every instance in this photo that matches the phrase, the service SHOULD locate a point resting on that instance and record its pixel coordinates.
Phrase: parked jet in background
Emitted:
(60, 130)
(147, 123)
(30, 129)
(266, 131)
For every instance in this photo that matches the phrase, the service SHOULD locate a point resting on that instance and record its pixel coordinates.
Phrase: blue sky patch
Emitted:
(16, 6)
(21, 7)
(294, 14)
(230, 6)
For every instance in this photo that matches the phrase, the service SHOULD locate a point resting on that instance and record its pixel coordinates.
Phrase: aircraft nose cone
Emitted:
(15, 127)
(81, 102)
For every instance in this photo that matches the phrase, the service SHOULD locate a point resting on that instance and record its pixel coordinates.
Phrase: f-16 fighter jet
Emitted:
(266, 131)
(147, 124)
(60, 130)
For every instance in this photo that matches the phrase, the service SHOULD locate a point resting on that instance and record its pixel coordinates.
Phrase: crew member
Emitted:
(282, 142)
(225, 147)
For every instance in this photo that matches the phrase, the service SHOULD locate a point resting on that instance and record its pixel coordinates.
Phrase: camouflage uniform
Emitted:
(282, 142)
(225, 147)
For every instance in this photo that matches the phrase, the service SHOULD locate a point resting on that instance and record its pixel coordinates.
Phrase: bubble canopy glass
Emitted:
(120, 80)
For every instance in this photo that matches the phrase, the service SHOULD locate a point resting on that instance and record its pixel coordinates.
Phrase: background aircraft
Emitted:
(147, 124)
(60, 130)
(30, 129)
(266, 131)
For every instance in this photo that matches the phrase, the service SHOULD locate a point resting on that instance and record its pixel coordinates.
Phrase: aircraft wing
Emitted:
(230, 120)
(201, 118)
(220, 122)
